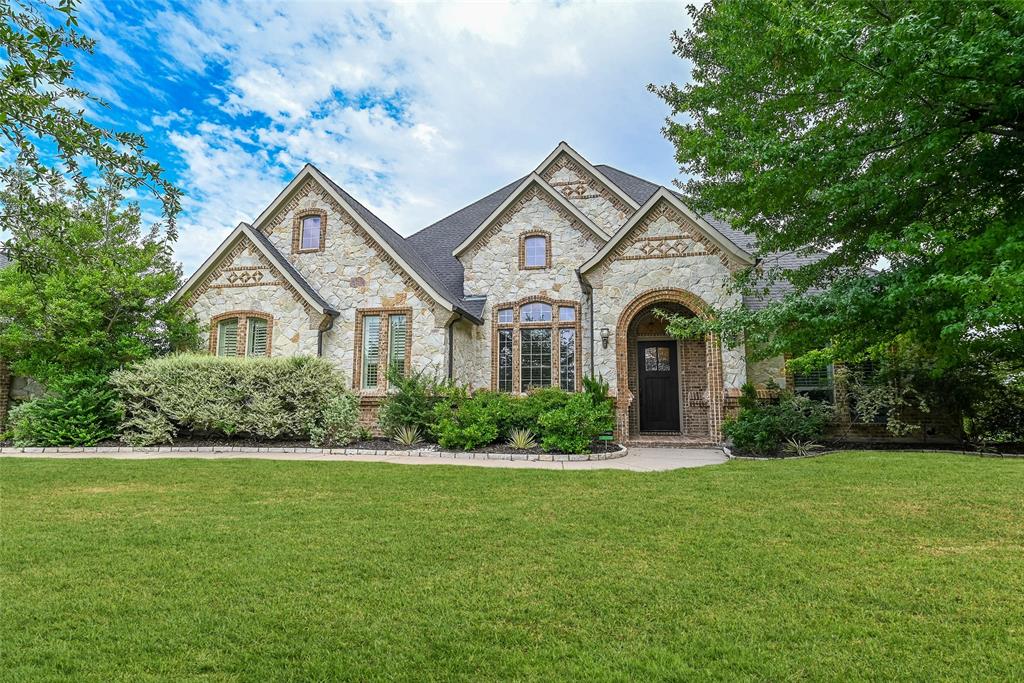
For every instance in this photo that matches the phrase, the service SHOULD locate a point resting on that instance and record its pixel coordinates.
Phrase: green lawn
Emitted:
(851, 566)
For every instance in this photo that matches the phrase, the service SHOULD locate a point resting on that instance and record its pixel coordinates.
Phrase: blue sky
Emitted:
(415, 109)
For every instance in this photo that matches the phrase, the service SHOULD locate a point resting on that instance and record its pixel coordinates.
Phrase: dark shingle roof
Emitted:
(435, 243)
(414, 255)
(284, 263)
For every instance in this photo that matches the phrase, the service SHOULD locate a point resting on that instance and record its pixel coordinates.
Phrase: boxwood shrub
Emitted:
(202, 396)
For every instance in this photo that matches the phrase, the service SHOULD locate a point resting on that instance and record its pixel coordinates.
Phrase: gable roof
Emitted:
(564, 148)
(267, 248)
(389, 240)
(530, 180)
(663, 194)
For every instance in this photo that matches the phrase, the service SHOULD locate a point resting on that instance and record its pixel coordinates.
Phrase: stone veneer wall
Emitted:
(492, 268)
(294, 328)
(353, 272)
(686, 265)
(596, 201)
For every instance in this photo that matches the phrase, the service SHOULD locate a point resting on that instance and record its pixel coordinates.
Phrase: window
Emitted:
(534, 251)
(816, 384)
(505, 360)
(311, 232)
(227, 337)
(371, 351)
(238, 334)
(309, 228)
(257, 342)
(534, 349)
(535, 313)
(382, 342)
(397, 338)
(535, 352)
(567, 359)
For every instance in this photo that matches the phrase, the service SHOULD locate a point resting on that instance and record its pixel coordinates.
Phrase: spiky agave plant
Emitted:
(408, 435)
(522, 439)
(801, 448)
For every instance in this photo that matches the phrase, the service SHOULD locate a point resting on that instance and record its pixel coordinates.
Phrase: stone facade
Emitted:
(5, 394)
(661, 257)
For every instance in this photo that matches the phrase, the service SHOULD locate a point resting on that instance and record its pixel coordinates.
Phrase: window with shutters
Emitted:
(227, 337)
(241, 333)
(816, 384)
(383, 342)
(536, 344)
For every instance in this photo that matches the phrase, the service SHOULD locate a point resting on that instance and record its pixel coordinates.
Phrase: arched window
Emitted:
(534, 251)
(241, 333)
(309, 230)
(533, 348)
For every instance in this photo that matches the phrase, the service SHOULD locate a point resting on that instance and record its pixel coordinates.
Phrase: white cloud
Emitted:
(485, 92)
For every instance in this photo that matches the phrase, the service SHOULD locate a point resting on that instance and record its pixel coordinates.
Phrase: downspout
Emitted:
(589, 290)
(320, 334)
(451, 347)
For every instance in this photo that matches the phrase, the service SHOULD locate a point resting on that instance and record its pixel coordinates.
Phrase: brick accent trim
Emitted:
(385, 314)
(624, 397)
(243, 329)
(555, 326)
(591, 187)
(297, 230)
(547, 249)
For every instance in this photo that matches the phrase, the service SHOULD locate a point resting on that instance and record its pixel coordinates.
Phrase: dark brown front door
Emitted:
(659, 386)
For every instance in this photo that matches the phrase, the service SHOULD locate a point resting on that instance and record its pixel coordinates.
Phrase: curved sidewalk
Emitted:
(638, 459)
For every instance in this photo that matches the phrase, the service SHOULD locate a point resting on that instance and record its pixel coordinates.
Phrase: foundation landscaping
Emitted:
(193, 400)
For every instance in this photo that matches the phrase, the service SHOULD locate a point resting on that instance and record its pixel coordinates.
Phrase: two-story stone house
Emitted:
(549, 279)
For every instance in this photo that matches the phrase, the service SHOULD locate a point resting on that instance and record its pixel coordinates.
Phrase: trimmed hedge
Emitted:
(193, 395)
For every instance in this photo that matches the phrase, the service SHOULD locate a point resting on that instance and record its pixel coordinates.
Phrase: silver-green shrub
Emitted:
(337, 424)
(192, 395)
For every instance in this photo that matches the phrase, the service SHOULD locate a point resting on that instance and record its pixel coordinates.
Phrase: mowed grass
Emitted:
(847, 566)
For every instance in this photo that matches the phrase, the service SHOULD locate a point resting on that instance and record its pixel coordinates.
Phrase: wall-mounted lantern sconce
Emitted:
(604, 337)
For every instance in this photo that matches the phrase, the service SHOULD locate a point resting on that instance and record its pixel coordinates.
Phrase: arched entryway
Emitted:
(667, 387)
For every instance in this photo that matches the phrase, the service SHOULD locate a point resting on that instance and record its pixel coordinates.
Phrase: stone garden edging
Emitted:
(412, 453)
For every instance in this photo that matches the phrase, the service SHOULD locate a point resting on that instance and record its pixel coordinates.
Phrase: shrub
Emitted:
(522, 440)
(337, 424)
(465, 422)
(573, 427)
(762, 427)
(410, 403)
(79, 410)
(408, 436)
(199, 396)
(526, 411)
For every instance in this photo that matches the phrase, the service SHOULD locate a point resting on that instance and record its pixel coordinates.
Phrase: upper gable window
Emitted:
(309, 231)
(535, 251)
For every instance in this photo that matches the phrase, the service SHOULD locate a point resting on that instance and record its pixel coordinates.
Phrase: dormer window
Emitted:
(535, 251)
(309, 231)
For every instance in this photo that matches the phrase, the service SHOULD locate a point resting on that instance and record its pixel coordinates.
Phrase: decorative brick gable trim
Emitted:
(547, 249)
(534, 192)
(589, 189)
(312, 188)
(244, 244)
(243, 329)
(297, 230)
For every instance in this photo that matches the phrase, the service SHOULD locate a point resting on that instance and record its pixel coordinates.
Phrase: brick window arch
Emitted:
(248, 333)
(302, 241)
(534, 250)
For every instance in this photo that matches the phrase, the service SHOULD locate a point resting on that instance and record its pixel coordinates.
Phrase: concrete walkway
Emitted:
(638, 460)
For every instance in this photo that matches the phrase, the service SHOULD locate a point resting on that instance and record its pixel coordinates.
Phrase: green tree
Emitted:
(88, 290)
(874, 134)
(42, 121)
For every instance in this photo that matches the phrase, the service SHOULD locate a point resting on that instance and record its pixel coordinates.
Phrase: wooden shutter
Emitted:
(371, 350)
(257, 337)
(398, 337)
(227, 337)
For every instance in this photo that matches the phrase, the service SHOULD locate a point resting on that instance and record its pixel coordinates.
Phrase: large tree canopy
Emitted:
(43, 127)
(880, 134)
